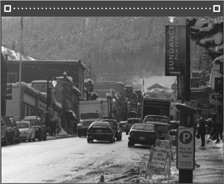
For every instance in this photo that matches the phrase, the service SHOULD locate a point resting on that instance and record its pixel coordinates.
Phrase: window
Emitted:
(11, 77)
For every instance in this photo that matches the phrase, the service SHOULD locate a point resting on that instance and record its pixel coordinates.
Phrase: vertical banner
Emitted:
(175, 50)
(180, 87)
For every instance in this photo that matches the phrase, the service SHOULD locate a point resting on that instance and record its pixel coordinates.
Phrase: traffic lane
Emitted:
(33, 159)
(59, 160)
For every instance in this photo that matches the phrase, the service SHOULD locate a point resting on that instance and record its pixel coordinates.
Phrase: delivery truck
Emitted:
(155, 106)
(90, 111)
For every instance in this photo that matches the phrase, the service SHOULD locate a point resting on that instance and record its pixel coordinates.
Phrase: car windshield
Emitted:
(99, 126)
(7, 121)
(89, 115)
(156, 118)
(34, 122)
(133, 121)
(113, 123)
(23, 125)
(143, 127)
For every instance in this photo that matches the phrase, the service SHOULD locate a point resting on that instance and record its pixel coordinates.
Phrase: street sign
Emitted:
(158, 160)
(185, 148)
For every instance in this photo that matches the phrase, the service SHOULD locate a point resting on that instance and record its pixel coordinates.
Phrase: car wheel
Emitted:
(5, 143)
(44, 138)
(79, 134)
(120, 137)
(29, 140)
(13, 140)
(112, 139)
(18, 140)
(33, 139)
(129, 144)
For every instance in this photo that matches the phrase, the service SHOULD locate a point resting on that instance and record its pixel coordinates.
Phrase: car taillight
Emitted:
(90, 130)
(131, 133)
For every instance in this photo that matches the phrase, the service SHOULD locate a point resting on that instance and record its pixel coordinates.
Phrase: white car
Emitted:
(27, 132)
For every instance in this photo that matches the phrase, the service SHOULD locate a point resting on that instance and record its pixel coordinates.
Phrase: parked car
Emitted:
(12, 133)
(40, 128)
(122, 124)
(115, 125)
(27, 132)
(130, 123)
(100, 131)
(142, 134)
(4, 132)
(161, 124)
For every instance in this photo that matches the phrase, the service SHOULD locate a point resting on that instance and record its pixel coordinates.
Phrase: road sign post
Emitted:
(186, 144)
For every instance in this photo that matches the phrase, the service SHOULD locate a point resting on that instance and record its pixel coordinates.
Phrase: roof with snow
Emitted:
(88, 81)
(156, 85)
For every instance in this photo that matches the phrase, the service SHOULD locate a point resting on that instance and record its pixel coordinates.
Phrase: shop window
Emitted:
(12, 77)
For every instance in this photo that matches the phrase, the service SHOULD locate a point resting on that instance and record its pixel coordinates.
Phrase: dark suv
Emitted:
(115, 125)
(40, 128)
(12, 131)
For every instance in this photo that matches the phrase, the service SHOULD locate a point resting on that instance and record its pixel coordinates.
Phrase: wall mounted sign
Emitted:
(175, 55)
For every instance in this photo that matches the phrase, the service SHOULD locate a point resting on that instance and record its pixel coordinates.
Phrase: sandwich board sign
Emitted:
(185, 148)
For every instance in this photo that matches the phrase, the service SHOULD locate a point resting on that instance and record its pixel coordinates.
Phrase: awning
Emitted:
(73, 115)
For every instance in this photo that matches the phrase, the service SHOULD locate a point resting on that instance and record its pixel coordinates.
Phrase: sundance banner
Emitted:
(175, 50)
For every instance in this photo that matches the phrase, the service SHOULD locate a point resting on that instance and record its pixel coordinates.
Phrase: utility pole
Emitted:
(20, 69)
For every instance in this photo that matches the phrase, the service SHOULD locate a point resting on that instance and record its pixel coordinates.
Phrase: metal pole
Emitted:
(186, 176)
(20, 69)
(47, 101)
(188, 67)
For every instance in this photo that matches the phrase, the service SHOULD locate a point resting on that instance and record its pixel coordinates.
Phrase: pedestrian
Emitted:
(209, 126)
(202, 131)
(53, 127)
(58, 125)
(75, 127)
(220, 130)
(216, 132)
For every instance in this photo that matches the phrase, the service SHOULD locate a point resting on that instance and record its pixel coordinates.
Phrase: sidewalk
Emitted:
(60, 137)
(210, 160)
(62, 134)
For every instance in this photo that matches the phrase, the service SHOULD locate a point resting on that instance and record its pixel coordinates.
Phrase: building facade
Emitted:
(41, 70)
(33, 103)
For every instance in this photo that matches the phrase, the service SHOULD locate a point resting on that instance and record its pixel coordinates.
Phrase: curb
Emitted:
(60, 137)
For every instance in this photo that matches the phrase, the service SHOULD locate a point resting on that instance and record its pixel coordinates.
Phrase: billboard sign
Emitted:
(175, 50)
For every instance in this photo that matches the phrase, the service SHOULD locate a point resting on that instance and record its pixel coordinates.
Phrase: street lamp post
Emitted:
(20, 69)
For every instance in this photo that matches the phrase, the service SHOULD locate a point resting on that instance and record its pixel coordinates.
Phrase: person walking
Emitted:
(216, 127)
(202, 131)
(220, 130)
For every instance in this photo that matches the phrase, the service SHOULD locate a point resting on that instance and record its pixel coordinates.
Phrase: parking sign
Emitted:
(185, 148)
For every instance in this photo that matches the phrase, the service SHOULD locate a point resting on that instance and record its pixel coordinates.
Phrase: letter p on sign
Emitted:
(185, 137)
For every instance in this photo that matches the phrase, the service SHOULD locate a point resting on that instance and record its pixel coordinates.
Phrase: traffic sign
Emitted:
(185, 148)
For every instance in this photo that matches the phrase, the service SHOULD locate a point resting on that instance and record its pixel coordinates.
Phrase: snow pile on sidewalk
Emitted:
(62, 132)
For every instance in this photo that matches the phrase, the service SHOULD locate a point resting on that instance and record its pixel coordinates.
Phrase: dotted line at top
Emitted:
(111, 8)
